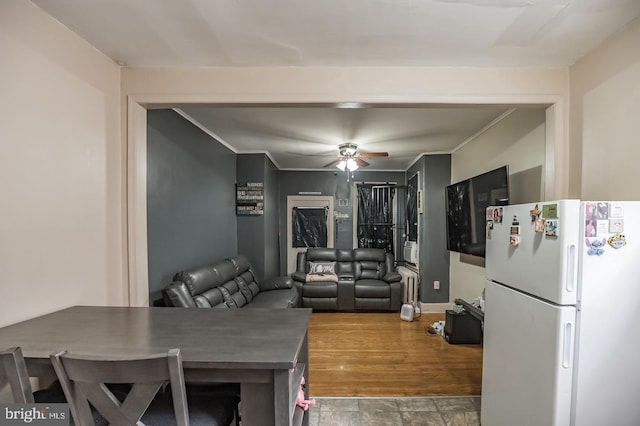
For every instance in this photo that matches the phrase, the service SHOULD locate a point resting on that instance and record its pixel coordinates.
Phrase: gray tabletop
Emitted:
(219, 338)
(265, 350)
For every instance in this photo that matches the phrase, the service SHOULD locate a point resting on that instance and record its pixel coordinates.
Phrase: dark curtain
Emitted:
(375, 216)
(309, 227)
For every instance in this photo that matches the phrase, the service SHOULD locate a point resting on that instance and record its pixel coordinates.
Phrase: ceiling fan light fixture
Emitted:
(342, 165)
(348, 149)
(352, 165)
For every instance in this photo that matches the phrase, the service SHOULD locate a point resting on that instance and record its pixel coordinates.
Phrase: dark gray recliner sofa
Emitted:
(231, 283)
(367, 280)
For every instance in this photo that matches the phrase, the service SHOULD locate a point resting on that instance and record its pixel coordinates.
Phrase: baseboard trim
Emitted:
(434, 308)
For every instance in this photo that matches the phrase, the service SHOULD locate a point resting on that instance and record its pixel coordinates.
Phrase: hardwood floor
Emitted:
(378, 354)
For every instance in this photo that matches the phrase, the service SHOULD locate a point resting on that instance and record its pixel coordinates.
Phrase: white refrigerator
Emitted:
(562, 314)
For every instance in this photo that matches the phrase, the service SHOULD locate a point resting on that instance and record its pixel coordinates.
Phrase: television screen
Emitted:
(466, 204)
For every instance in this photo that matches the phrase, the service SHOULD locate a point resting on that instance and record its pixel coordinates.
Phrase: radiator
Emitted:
(410, 285)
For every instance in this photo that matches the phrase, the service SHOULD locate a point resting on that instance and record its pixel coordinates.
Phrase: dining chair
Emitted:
(157, 392)
(13, 369)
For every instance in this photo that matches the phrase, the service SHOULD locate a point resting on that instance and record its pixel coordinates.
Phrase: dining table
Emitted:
(265, 350)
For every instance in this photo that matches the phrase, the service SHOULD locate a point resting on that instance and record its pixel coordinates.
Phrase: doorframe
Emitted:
(135, 290)
(322, 201)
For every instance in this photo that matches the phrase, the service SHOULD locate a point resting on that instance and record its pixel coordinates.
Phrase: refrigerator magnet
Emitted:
(616, 225)
(535, 213)
(489, 229)
(515, 230)
(617, 241)
(497, 215)
(540, 225)
(603, 211)
(590, 213)
(590, 228)
(550, 211)
(551, 228)
(602, 227)
(514, 240)
(615, 210)
(595, 246)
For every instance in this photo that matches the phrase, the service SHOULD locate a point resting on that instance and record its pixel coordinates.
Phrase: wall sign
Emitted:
(250, 199)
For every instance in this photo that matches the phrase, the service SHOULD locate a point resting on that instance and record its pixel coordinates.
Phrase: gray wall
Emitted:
(327, 183)
(190, 198)
(191, 218)
(258, 235)
(435, 175)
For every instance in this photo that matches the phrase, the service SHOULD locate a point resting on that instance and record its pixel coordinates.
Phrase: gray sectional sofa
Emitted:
(231, 283)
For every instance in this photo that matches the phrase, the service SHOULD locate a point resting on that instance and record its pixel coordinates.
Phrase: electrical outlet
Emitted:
(436, 285)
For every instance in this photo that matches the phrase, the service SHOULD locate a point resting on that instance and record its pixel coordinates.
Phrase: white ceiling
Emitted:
(307, 138)
(485, 33)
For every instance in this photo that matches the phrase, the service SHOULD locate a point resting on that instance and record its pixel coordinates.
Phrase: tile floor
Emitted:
(415, 411)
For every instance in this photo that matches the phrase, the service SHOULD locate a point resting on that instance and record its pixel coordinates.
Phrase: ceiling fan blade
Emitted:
(360, 162)
(333, 163)
(373, 154)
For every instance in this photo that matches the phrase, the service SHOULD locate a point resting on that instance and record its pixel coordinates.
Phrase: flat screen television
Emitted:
(466, 204)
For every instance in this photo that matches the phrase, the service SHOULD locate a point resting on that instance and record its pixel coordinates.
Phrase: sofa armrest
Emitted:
(392, 277)
(177, 294)
(299, 276)
(275, 283)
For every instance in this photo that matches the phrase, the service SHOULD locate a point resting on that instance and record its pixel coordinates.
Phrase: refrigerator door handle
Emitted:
(566, 349)
(571, 265)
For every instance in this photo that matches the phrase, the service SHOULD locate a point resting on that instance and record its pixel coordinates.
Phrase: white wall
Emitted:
(605, 118)
(517, 141)
(60, 169)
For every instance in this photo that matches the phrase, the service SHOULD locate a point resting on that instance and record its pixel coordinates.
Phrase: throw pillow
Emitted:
(322, 277)
(322, 267)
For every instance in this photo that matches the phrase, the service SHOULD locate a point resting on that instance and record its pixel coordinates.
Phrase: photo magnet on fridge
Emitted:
(616, 225)
(590, 210)
(497, 215)
(535, 213)
(550, 211)
(590, 228)
(602, 227)
(551, 228)
(603, 211)
(615, 210)
(489, 229)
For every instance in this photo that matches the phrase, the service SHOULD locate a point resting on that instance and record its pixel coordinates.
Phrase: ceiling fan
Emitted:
(350, 159)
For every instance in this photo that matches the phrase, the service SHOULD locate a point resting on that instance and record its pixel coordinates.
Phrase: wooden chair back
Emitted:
(13, 369)
(84, 380)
